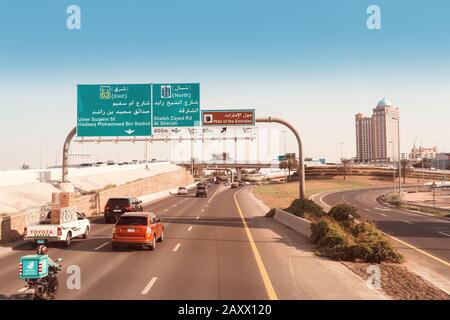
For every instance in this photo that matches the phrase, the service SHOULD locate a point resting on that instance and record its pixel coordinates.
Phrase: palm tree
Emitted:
(289, 163)
(223, 156)
(406, 168)
(345, 169)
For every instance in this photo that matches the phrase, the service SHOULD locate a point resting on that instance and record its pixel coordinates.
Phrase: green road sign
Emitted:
(176, 105)
(282, 158)
(114, 110)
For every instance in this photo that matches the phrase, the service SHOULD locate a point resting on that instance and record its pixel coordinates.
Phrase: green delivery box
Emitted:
(33, 266)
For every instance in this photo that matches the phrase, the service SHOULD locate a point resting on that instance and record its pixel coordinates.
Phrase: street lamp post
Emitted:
(393, 165)
(399, 156)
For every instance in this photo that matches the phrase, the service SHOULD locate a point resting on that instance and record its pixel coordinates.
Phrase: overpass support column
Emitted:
(301, 163)
(239, 174)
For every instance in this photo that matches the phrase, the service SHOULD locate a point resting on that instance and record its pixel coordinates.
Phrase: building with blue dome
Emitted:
(377, 136)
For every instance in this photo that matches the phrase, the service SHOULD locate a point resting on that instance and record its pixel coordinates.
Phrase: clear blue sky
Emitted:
(312, 62)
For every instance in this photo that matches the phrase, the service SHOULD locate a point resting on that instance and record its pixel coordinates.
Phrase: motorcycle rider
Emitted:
(52, 265)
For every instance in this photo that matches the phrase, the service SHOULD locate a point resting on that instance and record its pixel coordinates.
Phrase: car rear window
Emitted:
(118, 202)
(132, 221)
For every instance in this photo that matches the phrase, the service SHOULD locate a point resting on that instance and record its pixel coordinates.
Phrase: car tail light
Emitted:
(59, 232)
(129, 208)
(106, 208)
(40, 267)
(20, 268)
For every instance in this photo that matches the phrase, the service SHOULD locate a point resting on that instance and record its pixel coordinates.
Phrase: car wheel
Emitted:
(115, 247)
(161, 239)
(86, 233)
(152, 246)
(68, 240)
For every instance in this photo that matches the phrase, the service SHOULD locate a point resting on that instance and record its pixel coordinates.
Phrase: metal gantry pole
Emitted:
(399, 159)
(65, 163)
(301, 165)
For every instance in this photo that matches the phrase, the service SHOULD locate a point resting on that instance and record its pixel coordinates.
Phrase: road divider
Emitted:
(302, 226)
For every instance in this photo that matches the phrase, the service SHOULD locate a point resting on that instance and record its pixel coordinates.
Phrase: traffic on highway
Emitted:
(224, 159)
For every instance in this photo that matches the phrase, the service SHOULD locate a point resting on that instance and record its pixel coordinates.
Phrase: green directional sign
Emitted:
(114, 110)
(176, 105)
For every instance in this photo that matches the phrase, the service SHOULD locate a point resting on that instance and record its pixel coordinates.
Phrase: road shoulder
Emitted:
(294, 269)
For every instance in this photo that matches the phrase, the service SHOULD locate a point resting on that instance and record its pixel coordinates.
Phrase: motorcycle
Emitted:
(41, 278)
(44, 288)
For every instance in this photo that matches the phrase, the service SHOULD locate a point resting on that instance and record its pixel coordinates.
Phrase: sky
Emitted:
(314, 63)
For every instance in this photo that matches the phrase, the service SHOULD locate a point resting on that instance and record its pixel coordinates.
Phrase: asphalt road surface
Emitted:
(220, 247)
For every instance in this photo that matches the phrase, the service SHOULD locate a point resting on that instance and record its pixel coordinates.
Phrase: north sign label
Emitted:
(176, 105)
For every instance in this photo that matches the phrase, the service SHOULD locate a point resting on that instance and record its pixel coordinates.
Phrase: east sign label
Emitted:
(114, 110)
(176, 105)
(242, 117)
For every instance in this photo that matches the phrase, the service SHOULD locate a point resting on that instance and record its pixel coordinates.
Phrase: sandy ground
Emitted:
(400, 284)
(426, 198)
(281, 195)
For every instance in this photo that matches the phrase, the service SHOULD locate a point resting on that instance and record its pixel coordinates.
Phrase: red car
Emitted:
(142, 229)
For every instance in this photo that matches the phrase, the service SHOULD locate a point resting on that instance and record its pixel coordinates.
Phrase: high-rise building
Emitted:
(377, 136)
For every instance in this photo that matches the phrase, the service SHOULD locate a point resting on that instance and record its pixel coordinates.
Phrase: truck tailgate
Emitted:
(42, 231)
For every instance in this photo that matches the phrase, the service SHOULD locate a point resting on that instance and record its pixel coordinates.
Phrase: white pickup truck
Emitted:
(72, 224)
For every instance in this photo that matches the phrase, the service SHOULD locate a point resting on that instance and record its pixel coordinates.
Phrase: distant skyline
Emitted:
(313, 63)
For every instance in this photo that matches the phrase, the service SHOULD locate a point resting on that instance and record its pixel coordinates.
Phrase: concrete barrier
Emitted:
(298, 224)
(148, 189)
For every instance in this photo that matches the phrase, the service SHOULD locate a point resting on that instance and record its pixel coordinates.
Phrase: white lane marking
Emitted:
(197, 217)
(367, 209)
(213, 195)
(384, 215)
(445, 234)
(176, 247)
(408, 222)
(206, 205)
(22, 289)
(323, 202)
(149, 285)
(174, 205)
(190, 228)
(165, 210)
(382, 209)
(203, 210)
(101, 246)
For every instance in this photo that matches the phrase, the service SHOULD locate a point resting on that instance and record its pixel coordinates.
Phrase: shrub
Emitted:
(362, 241)
(301, 208)
(393, 198)
(271, 213)
(329, 234)
(343, 213)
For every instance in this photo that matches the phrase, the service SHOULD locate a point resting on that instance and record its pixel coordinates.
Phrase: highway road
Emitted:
(424, 239)
(220, 247)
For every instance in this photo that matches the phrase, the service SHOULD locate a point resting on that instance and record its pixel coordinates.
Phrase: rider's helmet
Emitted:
(41, 249)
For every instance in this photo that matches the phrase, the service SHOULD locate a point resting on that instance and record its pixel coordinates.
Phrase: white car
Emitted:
(182, 191)
(73, 225)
